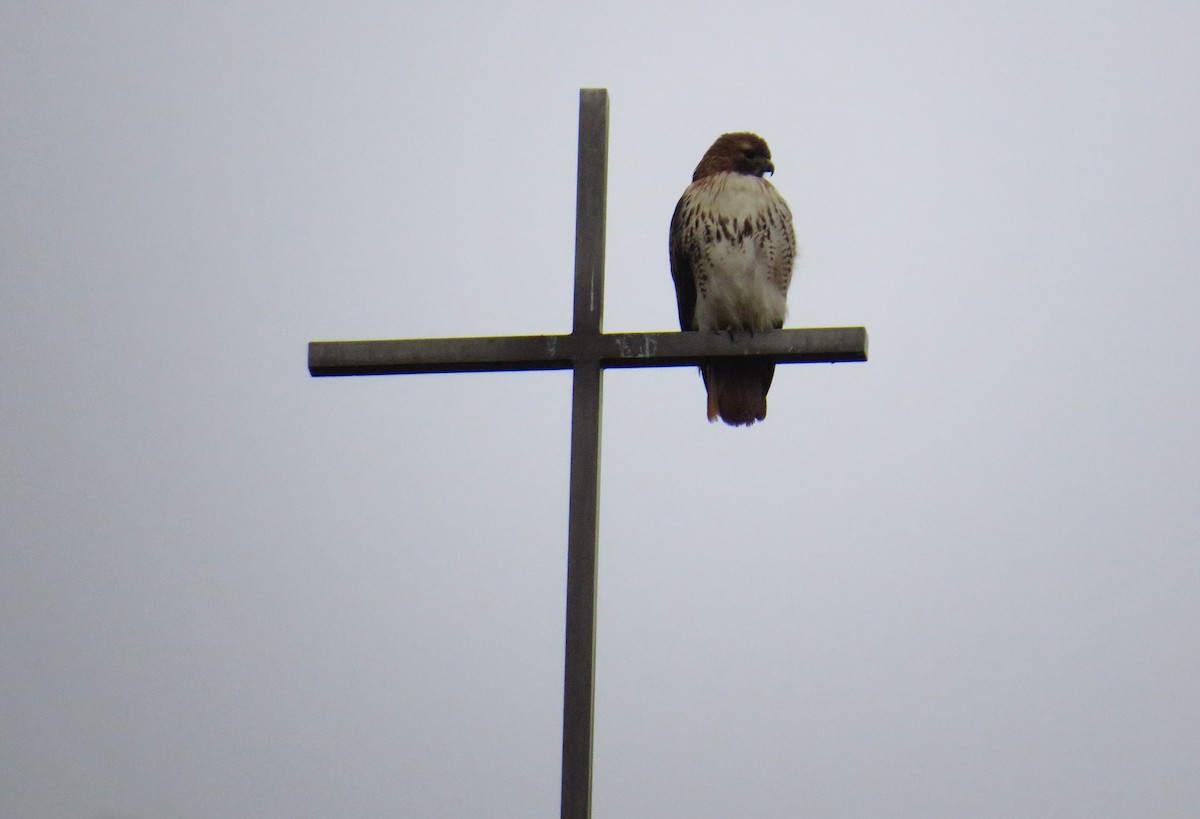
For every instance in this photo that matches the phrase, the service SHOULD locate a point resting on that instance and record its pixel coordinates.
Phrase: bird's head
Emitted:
(736, 153)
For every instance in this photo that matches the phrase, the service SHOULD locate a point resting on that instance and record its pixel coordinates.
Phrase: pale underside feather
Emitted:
(734, 232)
(732, 250)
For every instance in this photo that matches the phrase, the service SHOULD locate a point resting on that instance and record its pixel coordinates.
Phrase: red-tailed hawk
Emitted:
(732, 250)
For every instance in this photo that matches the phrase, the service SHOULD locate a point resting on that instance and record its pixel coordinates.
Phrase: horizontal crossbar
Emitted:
(563, 352)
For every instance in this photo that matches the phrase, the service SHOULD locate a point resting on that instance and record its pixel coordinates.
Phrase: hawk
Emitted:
(732, 250)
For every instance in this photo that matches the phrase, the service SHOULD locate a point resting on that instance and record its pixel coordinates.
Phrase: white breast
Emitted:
(746, 251)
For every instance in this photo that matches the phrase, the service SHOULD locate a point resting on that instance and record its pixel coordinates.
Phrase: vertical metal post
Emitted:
(580, 655)
(591, 196)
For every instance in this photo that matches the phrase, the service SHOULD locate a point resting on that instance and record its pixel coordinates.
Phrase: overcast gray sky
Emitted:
(960, 580)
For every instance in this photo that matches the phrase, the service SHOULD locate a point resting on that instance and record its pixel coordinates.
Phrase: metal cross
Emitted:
(587, 351)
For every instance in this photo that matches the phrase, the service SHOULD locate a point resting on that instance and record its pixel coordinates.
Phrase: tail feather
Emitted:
(737, 391)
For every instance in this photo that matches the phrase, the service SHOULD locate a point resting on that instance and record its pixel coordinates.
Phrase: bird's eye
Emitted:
(749, 153)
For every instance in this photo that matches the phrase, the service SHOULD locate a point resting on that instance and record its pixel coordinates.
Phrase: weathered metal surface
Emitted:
(579, 662)
(561, 352)
(439, 355)
(591, 204)
(579, 659)
(817, 344)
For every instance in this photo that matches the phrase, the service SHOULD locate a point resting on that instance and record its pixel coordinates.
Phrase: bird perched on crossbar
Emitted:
(732, 250)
